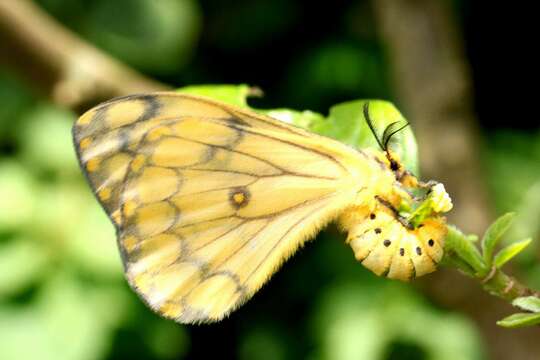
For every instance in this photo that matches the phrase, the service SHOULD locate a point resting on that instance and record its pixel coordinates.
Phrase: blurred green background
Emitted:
(62, 292)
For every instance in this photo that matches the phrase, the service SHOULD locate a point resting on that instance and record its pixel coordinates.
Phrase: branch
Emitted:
(493, 280)
(462, 254)
(507, 287)
(69, 70)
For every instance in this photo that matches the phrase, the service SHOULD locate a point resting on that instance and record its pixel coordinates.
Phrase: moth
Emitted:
(208, 199)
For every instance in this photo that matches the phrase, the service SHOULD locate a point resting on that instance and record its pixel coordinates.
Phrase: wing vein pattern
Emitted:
(208, 200)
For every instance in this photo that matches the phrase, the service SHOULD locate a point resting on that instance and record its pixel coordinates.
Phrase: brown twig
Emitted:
(70, 71)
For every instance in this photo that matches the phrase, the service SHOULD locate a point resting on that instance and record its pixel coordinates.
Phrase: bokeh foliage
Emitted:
(62, 292)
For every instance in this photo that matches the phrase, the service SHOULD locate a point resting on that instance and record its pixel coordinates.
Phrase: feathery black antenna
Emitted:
(370, 124)
(389, 132)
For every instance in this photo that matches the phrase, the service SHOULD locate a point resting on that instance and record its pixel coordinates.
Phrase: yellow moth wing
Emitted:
(208, 199)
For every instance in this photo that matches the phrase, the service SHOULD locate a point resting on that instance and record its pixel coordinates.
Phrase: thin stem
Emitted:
(508, 287)
(495, 281)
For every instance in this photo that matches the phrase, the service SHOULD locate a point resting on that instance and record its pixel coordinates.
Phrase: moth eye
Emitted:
(378, 230)
(418, 250)
(387, 243)
(372, 216)
(431, 242)
(402, 251)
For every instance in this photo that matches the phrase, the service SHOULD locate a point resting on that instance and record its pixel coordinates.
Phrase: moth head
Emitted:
(410, 198)
(391, 158)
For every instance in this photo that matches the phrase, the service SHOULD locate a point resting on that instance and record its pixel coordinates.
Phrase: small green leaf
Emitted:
(520, 320)
(230, 94)
(509, 252)
(493, 235)
(529, 303)
(304, 119)
(457, 242)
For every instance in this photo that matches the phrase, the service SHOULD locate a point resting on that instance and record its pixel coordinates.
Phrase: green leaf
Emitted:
(520, 320)
(493, 235)
(304, 119)
(509, 252)
(459, 243)
(529, 303)
(230, 94)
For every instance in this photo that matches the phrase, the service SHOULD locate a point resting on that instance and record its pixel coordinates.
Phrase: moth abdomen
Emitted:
(384, 245)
